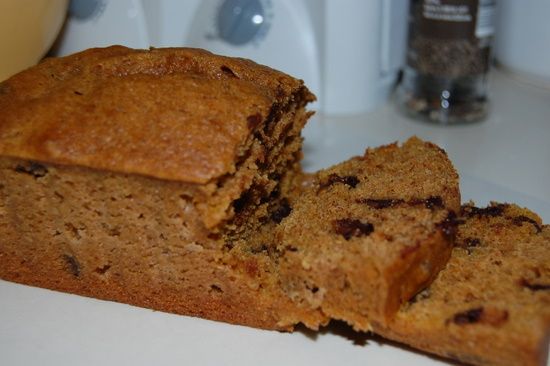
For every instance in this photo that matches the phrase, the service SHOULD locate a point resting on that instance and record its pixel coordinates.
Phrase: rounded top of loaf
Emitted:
(175, 113)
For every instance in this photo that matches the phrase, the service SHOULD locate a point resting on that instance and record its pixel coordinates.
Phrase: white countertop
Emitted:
(509, 151)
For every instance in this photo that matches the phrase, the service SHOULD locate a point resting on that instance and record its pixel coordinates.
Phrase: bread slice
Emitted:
(491, 303)
(367, 234)
(125, 173)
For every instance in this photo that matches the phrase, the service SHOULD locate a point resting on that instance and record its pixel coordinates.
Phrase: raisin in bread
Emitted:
(491, 303)
(365, 235)
(124, 173)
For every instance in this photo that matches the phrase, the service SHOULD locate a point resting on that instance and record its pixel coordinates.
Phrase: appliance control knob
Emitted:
(85, 9)
(239, 21)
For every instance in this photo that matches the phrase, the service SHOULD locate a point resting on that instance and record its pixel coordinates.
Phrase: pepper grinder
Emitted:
(449, 46)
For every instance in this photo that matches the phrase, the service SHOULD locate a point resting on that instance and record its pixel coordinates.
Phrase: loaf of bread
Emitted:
(491, 303)
(160, 178)
(170, 179)
(369, 233)
(127, 175)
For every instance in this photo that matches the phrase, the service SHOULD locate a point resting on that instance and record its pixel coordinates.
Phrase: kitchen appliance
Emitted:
(348, 52)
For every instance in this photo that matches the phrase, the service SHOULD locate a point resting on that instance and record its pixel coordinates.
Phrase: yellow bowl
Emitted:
(27, 30)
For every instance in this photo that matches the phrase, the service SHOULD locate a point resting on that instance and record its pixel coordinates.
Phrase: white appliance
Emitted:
(348, 52)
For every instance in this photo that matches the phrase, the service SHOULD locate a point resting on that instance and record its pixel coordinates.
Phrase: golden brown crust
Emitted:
(165, 113)
(491, 304)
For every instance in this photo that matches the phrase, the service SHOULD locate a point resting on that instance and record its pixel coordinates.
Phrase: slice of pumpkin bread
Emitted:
(367, 234)
(491, 303)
